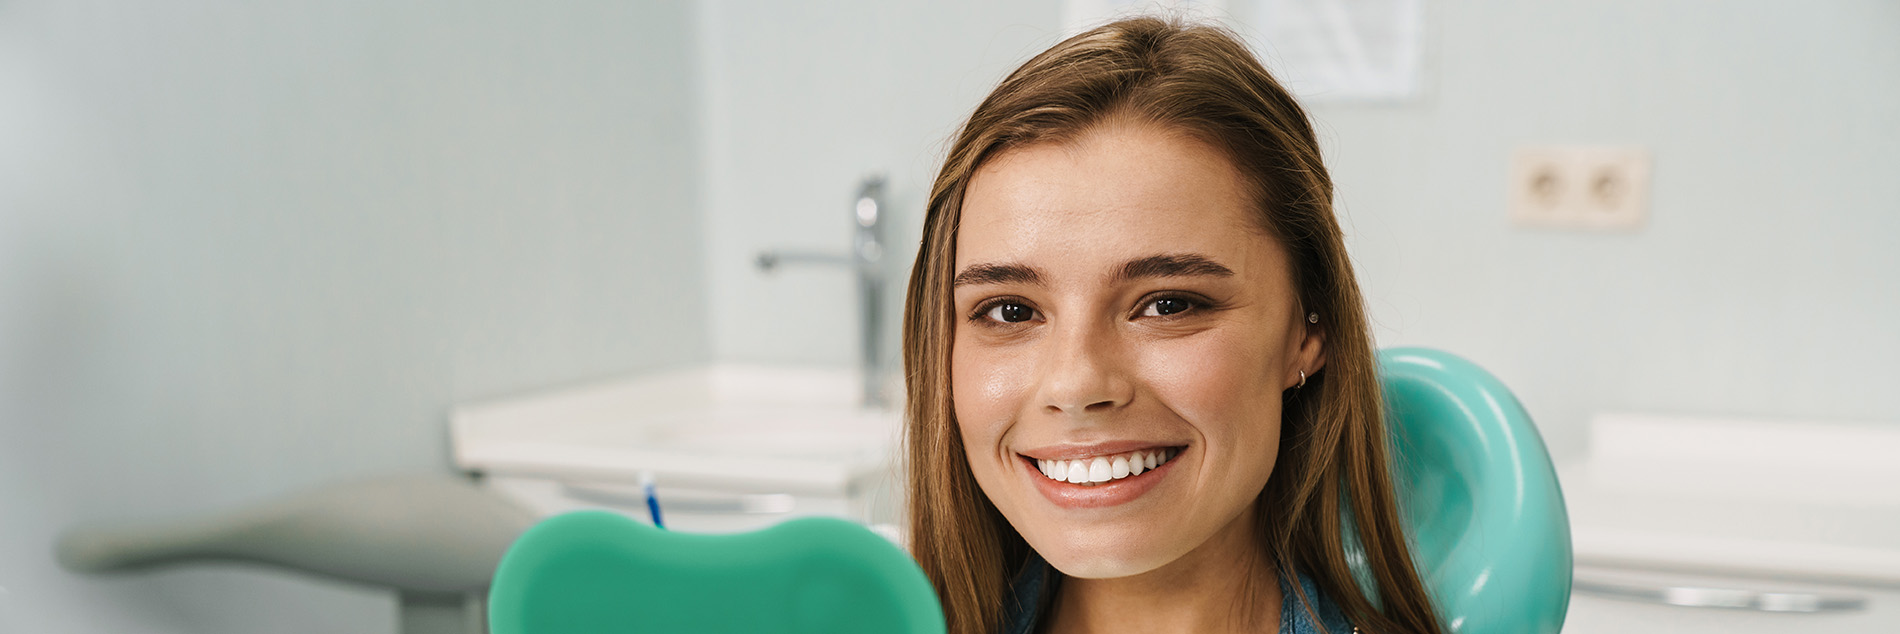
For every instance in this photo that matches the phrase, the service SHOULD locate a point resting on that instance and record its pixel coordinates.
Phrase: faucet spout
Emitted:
(867, 253)
(869, 250)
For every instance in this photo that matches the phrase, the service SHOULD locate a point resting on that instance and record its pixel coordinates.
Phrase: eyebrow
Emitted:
(1153, 266)
(977, 274)
(1173, 265)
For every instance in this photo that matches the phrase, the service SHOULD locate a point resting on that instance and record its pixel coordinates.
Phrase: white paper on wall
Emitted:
(1322, 50)
(1082, 15)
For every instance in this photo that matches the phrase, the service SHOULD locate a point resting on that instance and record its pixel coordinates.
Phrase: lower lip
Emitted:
(1110, 493)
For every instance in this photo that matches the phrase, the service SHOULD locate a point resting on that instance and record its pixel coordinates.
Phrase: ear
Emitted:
(1310, 357)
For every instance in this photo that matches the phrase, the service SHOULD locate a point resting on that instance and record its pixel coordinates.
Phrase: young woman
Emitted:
(1142, 395)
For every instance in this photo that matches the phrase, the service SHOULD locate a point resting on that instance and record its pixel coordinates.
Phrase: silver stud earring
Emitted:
(1312, 318)
(1302, 380)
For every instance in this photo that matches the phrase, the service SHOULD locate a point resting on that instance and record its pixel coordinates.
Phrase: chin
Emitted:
(1075, 556)
(1102, 568)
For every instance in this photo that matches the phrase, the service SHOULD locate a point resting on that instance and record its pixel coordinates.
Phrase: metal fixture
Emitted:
(1733, 598)
(867, 250)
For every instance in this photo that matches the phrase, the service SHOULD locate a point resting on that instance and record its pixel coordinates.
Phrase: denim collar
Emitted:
(1032, 594)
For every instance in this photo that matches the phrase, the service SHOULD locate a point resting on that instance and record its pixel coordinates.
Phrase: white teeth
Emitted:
(1104, 468)
(1078, 472)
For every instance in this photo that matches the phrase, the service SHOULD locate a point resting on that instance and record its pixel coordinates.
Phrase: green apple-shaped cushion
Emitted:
(596, 572)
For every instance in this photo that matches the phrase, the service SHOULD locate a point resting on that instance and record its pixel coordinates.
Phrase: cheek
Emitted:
(987, 389)
(1227, 386)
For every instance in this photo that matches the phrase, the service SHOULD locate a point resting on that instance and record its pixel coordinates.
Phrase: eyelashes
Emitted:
(1009, 311)
(1005, 311)
(982, 314)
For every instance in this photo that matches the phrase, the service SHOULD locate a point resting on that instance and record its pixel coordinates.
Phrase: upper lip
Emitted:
(1071, 451)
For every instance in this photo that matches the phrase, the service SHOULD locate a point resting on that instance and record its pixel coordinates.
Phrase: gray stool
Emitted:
(435, 540)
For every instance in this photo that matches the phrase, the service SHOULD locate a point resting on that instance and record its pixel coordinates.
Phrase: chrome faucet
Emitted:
(867, 250)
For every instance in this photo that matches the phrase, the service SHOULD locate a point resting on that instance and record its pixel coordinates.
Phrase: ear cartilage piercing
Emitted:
(1302, 380)
(1312, 318)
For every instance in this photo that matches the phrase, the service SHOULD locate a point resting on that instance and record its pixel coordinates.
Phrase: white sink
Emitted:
(740, 431)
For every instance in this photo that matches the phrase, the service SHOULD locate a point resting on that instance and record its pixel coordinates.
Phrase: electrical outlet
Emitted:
(1591, 188)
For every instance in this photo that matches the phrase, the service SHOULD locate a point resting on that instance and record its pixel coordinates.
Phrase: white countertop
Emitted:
(1799, 500)
(796, 429)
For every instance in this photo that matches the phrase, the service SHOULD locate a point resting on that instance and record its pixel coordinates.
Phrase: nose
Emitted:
(1083, 370)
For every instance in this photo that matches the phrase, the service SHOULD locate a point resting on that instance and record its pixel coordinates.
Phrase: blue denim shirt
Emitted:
(1035, 587)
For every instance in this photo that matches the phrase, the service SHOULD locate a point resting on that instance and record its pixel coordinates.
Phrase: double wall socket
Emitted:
(1591, 188)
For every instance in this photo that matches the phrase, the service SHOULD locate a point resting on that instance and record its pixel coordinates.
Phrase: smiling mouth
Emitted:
(1094, 470)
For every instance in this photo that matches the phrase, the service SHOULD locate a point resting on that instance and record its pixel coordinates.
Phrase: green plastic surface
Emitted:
(596, 572)
(1477, 488)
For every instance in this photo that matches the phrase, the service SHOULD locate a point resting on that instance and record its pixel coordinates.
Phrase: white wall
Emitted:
(804, 99)
(251, 247)
(1765, 285)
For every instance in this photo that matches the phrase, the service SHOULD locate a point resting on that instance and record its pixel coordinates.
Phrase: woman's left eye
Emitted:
(1010, 313)
(1166, 306)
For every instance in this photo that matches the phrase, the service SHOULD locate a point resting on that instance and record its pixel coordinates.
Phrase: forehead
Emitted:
(1119, 191)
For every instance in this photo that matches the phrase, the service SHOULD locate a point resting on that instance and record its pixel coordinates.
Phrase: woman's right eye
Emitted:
(1010, 313)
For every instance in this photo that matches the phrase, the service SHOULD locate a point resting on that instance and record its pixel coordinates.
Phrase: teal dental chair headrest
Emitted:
(1477, 489)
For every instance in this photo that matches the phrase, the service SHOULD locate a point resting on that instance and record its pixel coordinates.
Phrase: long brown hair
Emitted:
(1332, 463)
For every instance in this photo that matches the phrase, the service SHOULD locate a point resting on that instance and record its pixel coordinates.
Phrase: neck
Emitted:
(1226, 584)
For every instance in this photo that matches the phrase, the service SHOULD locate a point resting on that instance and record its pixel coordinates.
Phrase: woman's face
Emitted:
(1118, 302)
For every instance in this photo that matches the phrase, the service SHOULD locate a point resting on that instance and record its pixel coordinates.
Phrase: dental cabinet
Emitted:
(728, 448)
(1735, 526)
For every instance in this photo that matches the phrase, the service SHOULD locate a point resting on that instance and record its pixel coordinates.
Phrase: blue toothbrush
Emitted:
(653, 501)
